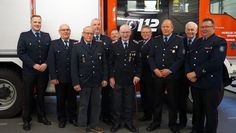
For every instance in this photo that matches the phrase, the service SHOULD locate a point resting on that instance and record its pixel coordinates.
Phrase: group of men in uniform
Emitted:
(106, 71)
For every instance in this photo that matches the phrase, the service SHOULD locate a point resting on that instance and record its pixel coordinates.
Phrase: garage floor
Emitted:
(227, 120)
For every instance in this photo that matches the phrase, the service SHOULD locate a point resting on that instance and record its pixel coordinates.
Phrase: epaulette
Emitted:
(98, 40)
(77, 42)
(140, 41)
(179, 36)
(157, 36)
(135, 41)
(114, 41)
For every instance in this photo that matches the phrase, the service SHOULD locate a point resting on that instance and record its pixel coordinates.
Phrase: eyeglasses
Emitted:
(205, 27)
(88, 33)
(64, 29)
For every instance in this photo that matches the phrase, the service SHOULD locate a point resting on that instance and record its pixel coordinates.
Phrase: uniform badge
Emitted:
(130, 57)
(83, 58)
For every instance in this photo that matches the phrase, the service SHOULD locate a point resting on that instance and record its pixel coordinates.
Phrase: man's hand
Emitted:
(192, 76)
(36, 67)
(158, 73)
(54, 81)
(136, 80)
(112, 82)
(104, 83)
(43, 67)
(165, 72)
(77, 88)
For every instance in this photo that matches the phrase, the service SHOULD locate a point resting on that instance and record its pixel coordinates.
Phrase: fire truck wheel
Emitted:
(10, 93)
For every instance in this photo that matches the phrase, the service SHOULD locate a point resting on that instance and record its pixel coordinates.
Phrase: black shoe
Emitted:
(131, 127)
(26, 126)
(74, 122)
(115, 127)
(45, 121)
(174, 129)
(145, 118)
(152, 127)
(61, 124)
(107, 121)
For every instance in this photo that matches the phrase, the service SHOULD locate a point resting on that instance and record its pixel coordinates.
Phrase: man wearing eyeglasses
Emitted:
(59, 70)
(204, 70)
(89, 74)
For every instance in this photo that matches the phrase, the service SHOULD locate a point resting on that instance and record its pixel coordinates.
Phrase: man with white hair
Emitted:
(190, 40)
(59, 70)
(125, 71)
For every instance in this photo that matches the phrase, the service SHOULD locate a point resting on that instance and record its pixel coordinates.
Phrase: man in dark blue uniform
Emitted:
(106, 91)
(32, 49)
(166, 57)
(183, 92)
(59, 58)
(89, 75)
(146, 82)
(204, 69)
(125, 72)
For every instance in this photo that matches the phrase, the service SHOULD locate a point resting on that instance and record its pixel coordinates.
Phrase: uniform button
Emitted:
(91, 56)
(194, 64)
(40, 56)
(124, 64)
(163, 54)
(163, 59)
(195, 58)
(93, 66)
(39, 46)
(163, 65)
(93, 72)
(196, 52)
(68, 58)
(212, 76)
(92, 61)
(164, 49)
(124, 59)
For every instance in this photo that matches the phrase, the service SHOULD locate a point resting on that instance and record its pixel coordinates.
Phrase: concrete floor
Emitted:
(227, 120)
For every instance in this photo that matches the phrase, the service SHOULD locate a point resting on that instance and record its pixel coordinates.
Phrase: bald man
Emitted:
(60, 75)
(166, 57)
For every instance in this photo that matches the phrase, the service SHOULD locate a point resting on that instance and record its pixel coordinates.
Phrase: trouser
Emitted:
(146, 90)
(90, 102)
(106, 102)
(31, 82)
(66, 101)
(163, 86)
(205, 103)
(182, 96)
(123, 103)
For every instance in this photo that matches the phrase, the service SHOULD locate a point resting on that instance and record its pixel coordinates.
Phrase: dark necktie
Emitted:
(126, 45)
(189, 42)
(97, 37)
(165, 39)
(66, 43)
(89, 44)
(37, 35)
